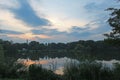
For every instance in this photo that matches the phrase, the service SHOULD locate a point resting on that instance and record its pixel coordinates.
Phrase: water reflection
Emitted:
(57, 64)
(109, 64)
(54, 64)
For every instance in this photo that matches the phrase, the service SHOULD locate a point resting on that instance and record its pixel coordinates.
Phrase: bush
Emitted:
(87, 71)
(117, 72)
(38, 73)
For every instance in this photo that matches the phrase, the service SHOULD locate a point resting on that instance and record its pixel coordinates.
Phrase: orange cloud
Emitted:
(29, 36)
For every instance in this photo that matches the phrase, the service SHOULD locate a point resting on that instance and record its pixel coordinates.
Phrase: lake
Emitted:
(57, 64)
(54, 64)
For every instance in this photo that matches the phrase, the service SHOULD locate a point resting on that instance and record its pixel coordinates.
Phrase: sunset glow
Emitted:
(29, 36)
(54, 21)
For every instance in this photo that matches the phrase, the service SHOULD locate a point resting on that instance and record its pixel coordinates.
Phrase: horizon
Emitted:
(28, 41)
(54, 21)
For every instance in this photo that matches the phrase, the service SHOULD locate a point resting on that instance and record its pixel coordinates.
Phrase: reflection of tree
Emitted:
(53, 65)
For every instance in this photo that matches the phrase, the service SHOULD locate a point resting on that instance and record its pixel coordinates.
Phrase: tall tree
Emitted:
(1, 54)
(114, 22)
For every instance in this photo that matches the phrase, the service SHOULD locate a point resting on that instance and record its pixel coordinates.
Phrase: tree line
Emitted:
(34, 49)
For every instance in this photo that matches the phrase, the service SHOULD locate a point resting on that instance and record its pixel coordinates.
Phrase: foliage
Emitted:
(89, 49)
(38, 73)
(86, 70)
(91, 71)
(114, 22)
(1, 60)
(10, 70)
(117, 72)
(1, 54)
(82, 71)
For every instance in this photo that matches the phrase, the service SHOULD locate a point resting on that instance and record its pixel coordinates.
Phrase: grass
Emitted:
(11, 79)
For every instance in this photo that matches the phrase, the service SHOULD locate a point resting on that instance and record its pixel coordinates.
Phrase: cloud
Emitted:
(10, 32)
(62, 17)
(9, 22)
(58, 38)
(94, 7)
(47, 31)
(29, 36)
(97, 27)
(97, 8)
(89, 31)
(28, 15)
(54, 20)
(20, 38)
(5, 37)
(5, 4)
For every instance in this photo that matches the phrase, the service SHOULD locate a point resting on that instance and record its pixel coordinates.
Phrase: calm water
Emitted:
(57, 64)
(54, 64)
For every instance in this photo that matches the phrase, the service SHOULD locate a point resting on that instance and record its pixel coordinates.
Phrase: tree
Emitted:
(114, 22)
(1, 54)
(34, 45)
(2, 69)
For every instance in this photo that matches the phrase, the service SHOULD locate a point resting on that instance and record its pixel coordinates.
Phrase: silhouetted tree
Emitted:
(1, 54)
(114, 22)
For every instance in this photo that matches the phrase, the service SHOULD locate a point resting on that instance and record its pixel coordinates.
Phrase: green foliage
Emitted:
(114, 22)
(82, 49)
(2, 68)
(91, 71)
(83, 71)
(11, 71)
(87, 70)
(113, 42)
(106, 74)
(1, 54)
(11, 79)
(38, 73)
(117, 72)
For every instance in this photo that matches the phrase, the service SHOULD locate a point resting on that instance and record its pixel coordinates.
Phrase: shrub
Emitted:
(38, 73)
(87, 71)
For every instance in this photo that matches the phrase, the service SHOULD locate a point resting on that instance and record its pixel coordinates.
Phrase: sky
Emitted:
(49, 21)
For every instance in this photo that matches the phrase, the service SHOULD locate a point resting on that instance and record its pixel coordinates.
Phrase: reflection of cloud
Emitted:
(59, 63)
(59, 71)
(55, 64)
(110, 64)
(42, 62)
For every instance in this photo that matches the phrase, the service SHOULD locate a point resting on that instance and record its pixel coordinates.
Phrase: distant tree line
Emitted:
(34, 49)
